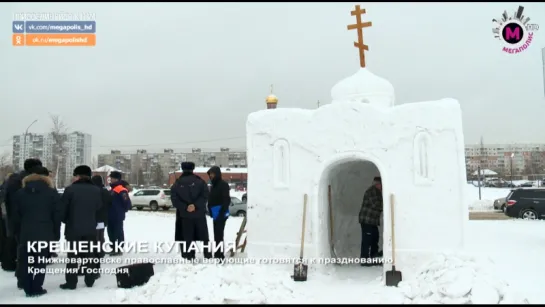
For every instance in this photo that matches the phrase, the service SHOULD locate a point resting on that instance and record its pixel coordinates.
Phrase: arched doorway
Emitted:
(343, 182)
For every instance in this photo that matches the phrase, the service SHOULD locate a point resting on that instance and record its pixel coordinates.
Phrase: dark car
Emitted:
(528, 204)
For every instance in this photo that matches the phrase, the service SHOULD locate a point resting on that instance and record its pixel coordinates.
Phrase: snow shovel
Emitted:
(300, 269)
(393, 277)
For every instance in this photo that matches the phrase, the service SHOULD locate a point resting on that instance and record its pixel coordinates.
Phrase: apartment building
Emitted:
(524, 158)
(142, 166)
(76, 150)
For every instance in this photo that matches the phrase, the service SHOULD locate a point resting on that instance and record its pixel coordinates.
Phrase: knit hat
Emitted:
(39, 170)
(377, 180)
(188, 166)
(116, 175)
(83, 170)
(31, 163)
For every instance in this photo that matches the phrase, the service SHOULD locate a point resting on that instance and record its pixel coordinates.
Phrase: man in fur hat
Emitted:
(82, 201)
(14, 184)
(36, 219)
(121, 203)
(189, 195)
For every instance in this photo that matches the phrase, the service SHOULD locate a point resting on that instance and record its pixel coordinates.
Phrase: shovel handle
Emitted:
(304, 224)
(392, 199)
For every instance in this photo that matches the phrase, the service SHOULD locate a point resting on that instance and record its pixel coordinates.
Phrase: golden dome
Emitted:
(271, 99)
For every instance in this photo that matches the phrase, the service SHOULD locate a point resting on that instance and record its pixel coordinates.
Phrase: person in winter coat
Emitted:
(102, 214)
(369, 218)
(82, 201)
(218, 207)
(36, 217)
(189, 195)
(3, 226)
(13, 184)
(121, 203)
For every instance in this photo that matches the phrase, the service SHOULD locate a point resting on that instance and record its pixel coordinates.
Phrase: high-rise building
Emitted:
(76, 150)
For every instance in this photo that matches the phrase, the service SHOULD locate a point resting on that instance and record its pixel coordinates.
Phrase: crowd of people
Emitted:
(33, 211)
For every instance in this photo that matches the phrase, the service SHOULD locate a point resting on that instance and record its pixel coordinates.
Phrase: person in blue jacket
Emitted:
(120, 204)
(218, 206)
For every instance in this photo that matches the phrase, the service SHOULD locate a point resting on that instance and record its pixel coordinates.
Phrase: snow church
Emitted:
(333, 153)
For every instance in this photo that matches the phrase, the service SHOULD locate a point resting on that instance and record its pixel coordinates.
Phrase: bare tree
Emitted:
(158, 177)
(94, 163)
(6, 165)
(58, 134)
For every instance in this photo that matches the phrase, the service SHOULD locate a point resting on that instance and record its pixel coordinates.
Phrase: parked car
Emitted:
(528, 204)
(152, 199)
(245, 198)
(499, 204)
(237, 207)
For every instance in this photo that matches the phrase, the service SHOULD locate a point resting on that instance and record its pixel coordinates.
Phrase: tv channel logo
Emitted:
(515, 31)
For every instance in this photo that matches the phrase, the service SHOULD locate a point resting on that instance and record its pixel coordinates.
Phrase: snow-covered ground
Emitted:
(488, 271)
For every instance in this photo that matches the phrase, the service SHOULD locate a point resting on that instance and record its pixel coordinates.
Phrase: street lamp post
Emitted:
(512, 155)
(24, 141)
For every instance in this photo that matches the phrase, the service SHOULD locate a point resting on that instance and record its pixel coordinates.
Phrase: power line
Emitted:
(156, 144)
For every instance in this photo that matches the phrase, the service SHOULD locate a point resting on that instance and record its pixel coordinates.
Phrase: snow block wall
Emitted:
(417, 149)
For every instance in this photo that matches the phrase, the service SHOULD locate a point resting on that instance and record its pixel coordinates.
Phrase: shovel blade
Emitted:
(300, 272)
(393, 278)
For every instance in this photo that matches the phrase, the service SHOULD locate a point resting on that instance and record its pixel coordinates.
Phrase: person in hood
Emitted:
(189, 194)
(218, 207)
(82, 201)
(13, 184)
(36, 217)
(102, 214)
(121, 203)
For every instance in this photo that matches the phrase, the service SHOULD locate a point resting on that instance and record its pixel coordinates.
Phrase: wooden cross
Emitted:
(359, 26)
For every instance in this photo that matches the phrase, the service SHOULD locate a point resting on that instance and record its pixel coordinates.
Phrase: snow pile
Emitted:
(482, 205)
(458, 279)
(488, 196)
(214, 284)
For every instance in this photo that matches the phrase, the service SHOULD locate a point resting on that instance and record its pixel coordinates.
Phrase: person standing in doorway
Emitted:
(121, 203)
(369, 218)
(189, 195)
(218, 207)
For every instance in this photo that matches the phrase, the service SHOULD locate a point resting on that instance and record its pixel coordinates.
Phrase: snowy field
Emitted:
(485, 273)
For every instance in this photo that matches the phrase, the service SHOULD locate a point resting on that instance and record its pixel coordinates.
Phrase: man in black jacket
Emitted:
(36, 217)
(189, 195)
(102, 214)
(218, 207)
(13, 184)
(82, 201)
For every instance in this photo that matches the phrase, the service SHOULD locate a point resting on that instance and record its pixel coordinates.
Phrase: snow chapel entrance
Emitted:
(342, 187)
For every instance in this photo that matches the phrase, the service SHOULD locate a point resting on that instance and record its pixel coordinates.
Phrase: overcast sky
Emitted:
(181, 75)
